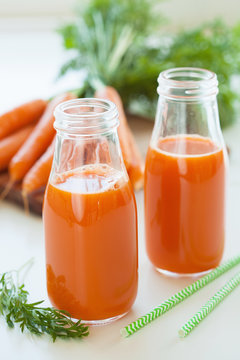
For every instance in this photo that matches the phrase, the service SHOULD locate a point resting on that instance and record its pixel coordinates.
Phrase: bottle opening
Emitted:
(187, 82)
(86, 116)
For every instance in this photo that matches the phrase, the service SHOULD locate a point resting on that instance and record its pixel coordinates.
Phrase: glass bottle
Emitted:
(90, 217)
(185, 175)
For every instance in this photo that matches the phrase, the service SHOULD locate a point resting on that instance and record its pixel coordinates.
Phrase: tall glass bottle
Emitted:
(185, 175)
(90, 217)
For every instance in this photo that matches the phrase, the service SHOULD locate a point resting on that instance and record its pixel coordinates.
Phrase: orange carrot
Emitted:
(103, 152)
(10, 145)
(136, 170)
(37, 142)
(38, 175)
(85, 153)
(94, 151)
(131, 154)
(21, 116)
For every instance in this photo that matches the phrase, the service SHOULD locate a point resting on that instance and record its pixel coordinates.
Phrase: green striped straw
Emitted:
(209, 306)
(178, 297)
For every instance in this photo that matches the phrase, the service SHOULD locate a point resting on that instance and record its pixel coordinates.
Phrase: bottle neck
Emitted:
(187, 84)
(187, 105)
(86, 118)
(86, 135)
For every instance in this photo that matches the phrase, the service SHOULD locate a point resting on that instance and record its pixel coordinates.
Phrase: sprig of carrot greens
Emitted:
(16, 309)
(107, 38)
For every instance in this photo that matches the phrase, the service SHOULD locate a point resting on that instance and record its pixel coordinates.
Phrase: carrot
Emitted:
(131, 154)
(85, 153)
(10, 145)
(95, 151)
(21, 116)
(38, 175)
(136, 170)
(37, 142)
(103, 152)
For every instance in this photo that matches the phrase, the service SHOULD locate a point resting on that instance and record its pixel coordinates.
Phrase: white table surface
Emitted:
(28, 66)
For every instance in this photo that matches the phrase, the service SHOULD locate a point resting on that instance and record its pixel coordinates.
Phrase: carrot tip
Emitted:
(25, 202)
(6, 190)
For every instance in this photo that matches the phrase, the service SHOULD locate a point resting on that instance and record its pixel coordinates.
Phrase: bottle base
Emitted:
(101, 322)
(182, 275)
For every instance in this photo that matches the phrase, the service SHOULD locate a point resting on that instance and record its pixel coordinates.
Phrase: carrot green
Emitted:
(16, 309)
(124, 44)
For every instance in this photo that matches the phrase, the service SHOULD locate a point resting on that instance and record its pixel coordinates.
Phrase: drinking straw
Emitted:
(178, 297)
(209, 306)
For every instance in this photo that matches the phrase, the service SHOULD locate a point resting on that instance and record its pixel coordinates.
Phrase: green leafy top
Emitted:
(140, 14)
(120, 43)
(214, 46)
(38, 320)
(107, 37)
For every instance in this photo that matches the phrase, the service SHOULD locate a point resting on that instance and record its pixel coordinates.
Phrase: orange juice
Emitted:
(184, 204)
(91, 243)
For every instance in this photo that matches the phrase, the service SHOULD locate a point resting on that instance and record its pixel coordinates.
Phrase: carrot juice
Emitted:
(91, 243)
(184, 204)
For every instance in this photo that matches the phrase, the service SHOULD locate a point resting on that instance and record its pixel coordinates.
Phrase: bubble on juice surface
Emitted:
(90, 179)
(187, 145)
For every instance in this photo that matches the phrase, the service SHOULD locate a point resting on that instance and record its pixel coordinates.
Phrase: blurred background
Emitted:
(153, 35)
(50, 46)
(181, 13)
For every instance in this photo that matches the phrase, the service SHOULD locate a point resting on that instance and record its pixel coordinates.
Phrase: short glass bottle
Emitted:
(185, 175)
(90, 216)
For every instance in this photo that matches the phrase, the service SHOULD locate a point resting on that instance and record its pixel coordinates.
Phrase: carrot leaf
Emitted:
(16, 309)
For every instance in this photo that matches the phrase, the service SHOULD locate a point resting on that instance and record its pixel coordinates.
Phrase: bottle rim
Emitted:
(187, 82)
(86, 116)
